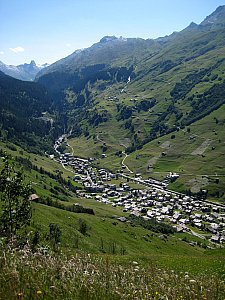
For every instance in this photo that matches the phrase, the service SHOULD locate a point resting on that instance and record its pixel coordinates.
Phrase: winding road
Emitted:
(123, 162)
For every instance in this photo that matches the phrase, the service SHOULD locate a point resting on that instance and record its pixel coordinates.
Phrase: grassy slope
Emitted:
(151, 85)
(113, 133)
(181, 155)
(172, 253)
(105, 232)
(181, 158)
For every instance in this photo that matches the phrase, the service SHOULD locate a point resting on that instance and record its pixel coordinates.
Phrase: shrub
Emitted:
(14, 201)
(82, 226)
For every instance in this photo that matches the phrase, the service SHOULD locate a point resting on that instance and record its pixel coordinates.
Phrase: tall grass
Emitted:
(27, 275)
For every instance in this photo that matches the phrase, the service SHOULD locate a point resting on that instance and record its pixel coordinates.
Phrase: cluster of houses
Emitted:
(187, 214)
(182, 211)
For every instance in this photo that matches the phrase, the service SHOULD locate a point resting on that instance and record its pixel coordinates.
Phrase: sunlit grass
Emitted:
(27, 275)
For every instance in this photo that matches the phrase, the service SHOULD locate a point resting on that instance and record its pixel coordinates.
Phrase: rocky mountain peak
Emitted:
(32, 63)
(216, 18)
(107, 39)
(26, 71)
(193, 25)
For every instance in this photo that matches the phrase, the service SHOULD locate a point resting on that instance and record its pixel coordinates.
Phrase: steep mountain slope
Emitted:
(108, 50)
(147, 87)
(127, 92)
(111, 60)
(216, 19)
(25, 71)
(195, 153)
(23, 115)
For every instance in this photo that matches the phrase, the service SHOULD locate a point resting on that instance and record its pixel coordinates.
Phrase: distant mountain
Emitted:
(26, 72)
(112, 59)
(107, 50)
(114, 51)
(167, 83)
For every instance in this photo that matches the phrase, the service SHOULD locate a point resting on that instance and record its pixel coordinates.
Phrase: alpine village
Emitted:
(112, 170)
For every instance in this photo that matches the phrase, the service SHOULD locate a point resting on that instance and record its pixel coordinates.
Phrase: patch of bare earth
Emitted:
(166, 145)
(196, 184)
(153, 161)
(201, 149)
(125, 142)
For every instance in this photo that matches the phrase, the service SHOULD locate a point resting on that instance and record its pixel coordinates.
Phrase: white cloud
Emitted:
(68, 45)
(2, 52)
(17, 49)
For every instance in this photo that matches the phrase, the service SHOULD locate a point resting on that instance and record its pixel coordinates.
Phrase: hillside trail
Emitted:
(123, 152)
(123, 161)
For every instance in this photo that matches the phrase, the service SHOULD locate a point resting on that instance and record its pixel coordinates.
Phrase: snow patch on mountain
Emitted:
(26, 72)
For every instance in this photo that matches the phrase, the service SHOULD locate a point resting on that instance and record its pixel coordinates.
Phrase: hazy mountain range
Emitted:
(25, 71)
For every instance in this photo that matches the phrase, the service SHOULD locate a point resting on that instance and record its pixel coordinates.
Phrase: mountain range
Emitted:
(170, 80)
(128, 93)
(26, 72)
(123, 146)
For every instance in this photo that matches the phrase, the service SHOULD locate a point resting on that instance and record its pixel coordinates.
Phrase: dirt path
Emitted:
(123, 162)
(201, 236)
(98, 139)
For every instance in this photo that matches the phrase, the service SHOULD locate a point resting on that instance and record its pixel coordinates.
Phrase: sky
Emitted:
(48, 30)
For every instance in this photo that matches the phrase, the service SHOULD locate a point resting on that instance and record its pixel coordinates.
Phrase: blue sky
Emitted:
(47, 30)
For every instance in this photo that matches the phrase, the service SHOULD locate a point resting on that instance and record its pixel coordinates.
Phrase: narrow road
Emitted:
(98, 139)
(197, 234)
(56, 146)
(123, 162)
(124, 153)
(192, 174)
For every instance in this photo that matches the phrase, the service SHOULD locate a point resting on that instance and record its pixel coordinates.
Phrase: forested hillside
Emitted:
(25, 109)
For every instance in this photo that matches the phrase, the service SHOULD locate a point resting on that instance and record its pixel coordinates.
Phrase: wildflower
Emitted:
(19, 295)
(192, 281)
(39, 292)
